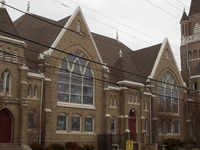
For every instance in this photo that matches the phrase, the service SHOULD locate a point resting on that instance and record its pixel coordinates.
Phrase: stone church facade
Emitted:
(62, 83)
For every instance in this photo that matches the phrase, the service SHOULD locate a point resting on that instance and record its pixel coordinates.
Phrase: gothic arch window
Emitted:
(194, 86)
(5, 82)
(196, 28)
(15, 56)
(89, 123)
(76, 123)
(189, 55)
(195, 54)
(7, 54)
(35, 91)
(31, 120)
(113, 124)
(29, 91)
(75, 80)
(168, 92)
(62, 122)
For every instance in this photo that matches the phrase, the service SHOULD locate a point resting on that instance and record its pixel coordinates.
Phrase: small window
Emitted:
(176, 128)
(29, 91)
(189, 55)
(15, 56)
(135, 98)
(146, 125)
(113, 125)
(113, 101)
(89, 124)
(145, 105)
(78, 26)
(62, 122)
(76, 123)
(169, 127)
(7, 55)
(31, 120)
(36, 91)
(194, 86)
(195, 54)
(5, 82)
(160, 127)
(1, 53)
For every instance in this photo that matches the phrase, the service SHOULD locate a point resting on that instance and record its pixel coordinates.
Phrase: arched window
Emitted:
(5, 82)
(195, 54)
(31, 120)
(75, 80)
(113, 101)
(15, 56)
(189, 55)
(29, 91)
(168, 93)
(194, 86)
(176, 127)
(89, 124)
(7, 55)
(76, 123)
(113, 124)
(35, 91)
(78, 26)
(196, 28)
(62, 122)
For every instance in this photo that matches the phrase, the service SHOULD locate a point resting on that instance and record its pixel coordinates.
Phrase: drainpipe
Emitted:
(40, 119)
(150, 132)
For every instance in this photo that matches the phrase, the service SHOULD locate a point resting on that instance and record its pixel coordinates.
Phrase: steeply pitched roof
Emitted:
(144, 59)
(6, 24)
(184, 17)
(39, 30)
(194, 7)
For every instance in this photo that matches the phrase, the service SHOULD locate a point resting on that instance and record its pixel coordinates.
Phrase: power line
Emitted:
(163, 10)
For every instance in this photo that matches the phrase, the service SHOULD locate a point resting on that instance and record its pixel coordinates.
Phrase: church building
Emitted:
(60, 82)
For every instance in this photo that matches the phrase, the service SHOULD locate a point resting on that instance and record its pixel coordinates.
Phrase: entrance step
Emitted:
(10, 146)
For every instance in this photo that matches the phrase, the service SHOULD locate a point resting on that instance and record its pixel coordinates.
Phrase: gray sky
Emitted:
(140, 23)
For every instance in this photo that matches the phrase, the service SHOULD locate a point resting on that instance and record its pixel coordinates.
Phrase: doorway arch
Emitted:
(5, 126)
(132, 124)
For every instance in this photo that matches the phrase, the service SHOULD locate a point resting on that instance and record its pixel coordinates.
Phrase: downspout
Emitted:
(40, 119)
(150, 140)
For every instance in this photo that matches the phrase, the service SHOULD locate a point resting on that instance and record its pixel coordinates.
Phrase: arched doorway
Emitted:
(132, 125)
(5, 126)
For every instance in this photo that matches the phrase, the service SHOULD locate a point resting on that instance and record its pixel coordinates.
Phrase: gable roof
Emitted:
(194, 7)
(41, 30)
(6, 24)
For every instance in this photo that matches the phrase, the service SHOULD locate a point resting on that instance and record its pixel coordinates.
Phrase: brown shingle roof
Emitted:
(194, 7)
(6, 24)
(34, 28)
(184, 17)
(144, 59)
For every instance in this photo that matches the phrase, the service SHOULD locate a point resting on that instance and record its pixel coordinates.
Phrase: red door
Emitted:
(132, 125)
(5, 127)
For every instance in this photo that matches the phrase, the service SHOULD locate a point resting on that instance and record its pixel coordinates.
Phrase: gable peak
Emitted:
(3, 2)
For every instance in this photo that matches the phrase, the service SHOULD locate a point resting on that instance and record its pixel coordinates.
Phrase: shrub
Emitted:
(72, 146)
(36, 146)
(88, 147)
(56, 146)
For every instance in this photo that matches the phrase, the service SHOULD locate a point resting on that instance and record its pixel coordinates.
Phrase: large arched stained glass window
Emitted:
(75, 80)
(168, 94)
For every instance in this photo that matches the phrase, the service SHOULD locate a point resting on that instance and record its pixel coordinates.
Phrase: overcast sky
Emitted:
(140, 23)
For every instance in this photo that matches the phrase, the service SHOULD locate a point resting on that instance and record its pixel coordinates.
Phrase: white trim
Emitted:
(35, 75)
(126, 82)
(71, 105)
(147, 93)
(114, 88)
(107, 115)
(193, 77)
(157, 62)
(7, 39)
(68, 23)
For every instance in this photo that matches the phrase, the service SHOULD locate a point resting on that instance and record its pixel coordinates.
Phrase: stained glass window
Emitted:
(62, 122)
(75, 80)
